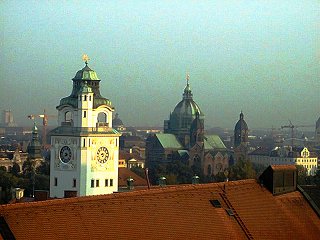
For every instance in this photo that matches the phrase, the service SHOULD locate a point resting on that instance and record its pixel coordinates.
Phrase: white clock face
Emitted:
(65, 154)
(102, 155)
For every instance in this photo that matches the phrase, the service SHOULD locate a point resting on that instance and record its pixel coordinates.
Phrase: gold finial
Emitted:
(188, 77)
(85, 58)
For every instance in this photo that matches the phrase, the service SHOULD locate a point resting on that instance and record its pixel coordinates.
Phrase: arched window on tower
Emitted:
(102, 119)
(68, 118)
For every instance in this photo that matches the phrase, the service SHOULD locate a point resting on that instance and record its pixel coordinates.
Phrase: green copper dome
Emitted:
(85, 81)
(86, 73)
(185, 111)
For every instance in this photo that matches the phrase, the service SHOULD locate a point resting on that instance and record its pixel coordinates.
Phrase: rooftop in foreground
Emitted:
(248, 211)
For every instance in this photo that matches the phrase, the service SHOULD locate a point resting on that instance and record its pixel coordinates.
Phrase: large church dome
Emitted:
(183, 114)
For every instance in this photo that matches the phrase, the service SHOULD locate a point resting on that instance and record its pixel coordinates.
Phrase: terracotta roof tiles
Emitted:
(177, 212)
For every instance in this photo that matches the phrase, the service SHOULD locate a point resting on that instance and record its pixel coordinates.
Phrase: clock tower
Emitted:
(85, 147)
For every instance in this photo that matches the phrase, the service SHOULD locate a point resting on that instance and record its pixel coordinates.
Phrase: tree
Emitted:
(242, 170)
(44, 168)
(7, 181)
(15, 170)
(301, 175)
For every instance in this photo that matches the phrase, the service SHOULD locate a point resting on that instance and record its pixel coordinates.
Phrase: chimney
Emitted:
(195, 179)
(130, 181)
(162, 181)
(17, 193)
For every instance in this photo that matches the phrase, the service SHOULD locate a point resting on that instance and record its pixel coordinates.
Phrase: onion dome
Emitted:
(86, 73)
(85, 79)
(241, 124)
(240, 131)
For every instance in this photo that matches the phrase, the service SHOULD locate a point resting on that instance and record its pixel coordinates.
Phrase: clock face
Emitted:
(65, 154)
(102, 155)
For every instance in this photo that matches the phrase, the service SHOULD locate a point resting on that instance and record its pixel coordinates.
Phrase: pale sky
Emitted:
(261, 57)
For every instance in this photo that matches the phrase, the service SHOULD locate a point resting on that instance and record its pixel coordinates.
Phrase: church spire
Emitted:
(187, 94)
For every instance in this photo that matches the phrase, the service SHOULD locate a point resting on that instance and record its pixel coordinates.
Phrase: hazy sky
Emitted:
(262, 57)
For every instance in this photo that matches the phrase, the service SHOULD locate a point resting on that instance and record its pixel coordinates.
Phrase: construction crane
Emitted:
(45, 118)
(292, 127)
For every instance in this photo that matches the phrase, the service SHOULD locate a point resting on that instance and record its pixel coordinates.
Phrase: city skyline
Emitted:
(261, 58)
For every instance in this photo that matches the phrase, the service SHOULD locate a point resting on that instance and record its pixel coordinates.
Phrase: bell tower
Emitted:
(85, 147)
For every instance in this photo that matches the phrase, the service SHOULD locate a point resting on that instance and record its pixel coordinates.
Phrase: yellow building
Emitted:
(284, 156)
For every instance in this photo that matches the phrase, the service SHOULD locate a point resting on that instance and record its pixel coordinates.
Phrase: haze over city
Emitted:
(261, 57)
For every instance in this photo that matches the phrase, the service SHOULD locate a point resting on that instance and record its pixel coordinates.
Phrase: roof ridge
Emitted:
(152, 191)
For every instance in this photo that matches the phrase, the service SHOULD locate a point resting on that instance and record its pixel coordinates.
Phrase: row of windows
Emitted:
(306, 160)
(89, 142)
(96, 183)
(308, 166)
(85, 98)
(285, 159)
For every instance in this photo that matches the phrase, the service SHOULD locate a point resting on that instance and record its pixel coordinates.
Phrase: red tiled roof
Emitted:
(128, 156)
(283, 167)
(178, 212)
(125, 173)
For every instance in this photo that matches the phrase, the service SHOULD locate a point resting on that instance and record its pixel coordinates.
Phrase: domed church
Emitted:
(184, 139)
(184, 113)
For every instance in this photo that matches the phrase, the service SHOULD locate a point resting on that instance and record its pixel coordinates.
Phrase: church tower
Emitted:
(85, 147)
(317, 135)
(34, 147)
(241, 138)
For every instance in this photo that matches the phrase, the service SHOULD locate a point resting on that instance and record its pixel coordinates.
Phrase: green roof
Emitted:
(213, 142)
(168, 140)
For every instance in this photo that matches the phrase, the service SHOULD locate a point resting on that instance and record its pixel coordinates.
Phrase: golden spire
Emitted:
(85, 58)
(187, 78)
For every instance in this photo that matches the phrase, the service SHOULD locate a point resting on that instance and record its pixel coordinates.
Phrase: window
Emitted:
(111, 182)
(89, 98)
(56, 181)
(68, 117)
(92, 183)
(84, 114)
(85, 97)
(74, 183)
(97, 183)
(84, 142)
(106, 183)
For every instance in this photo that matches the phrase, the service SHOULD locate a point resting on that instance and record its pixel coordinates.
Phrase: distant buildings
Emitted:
(184, 139)
(285, 156)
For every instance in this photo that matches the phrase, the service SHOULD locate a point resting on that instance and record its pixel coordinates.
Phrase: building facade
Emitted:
(85, 147)
(284, 156)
